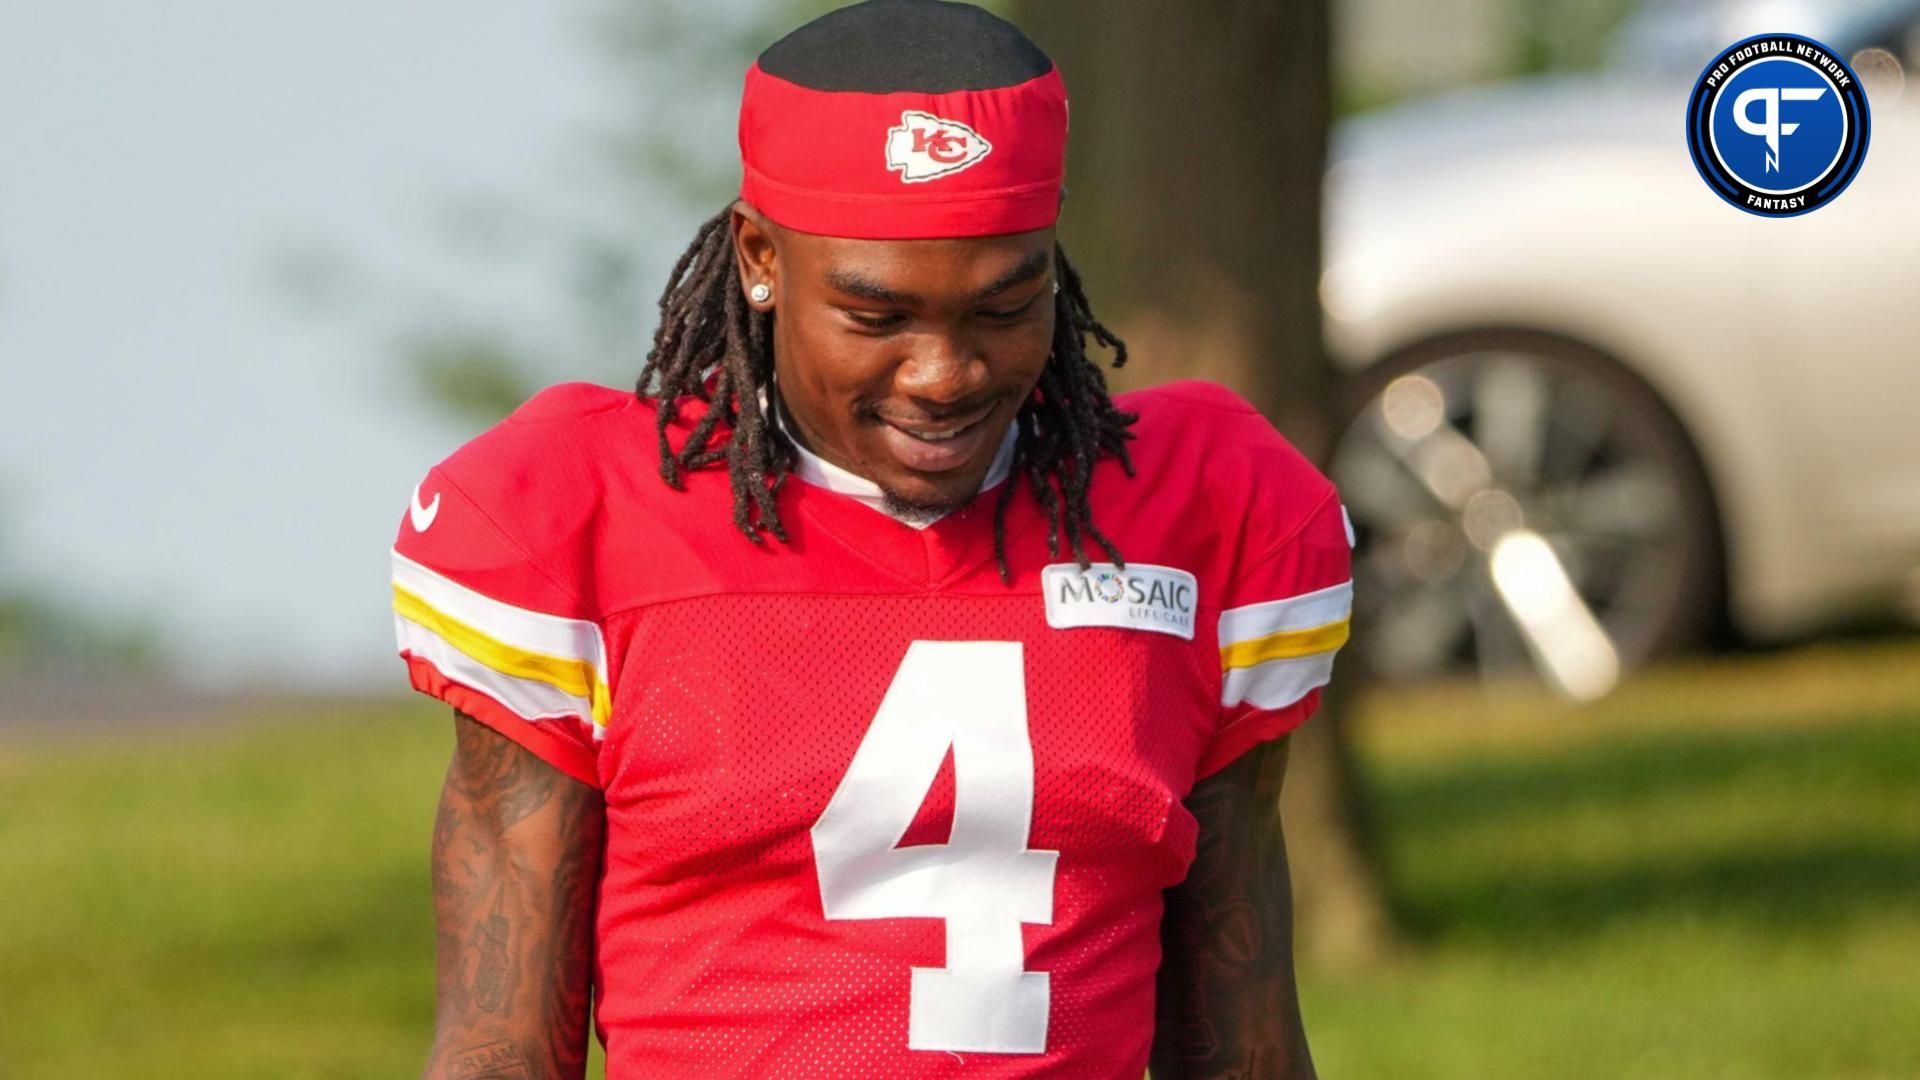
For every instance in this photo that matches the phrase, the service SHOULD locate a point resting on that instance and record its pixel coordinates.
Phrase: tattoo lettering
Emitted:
(495, 1061)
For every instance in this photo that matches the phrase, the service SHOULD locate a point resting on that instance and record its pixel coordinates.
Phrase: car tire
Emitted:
(1435, 466)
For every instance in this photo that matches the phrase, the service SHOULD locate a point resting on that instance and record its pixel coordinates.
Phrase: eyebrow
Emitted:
(854, 284)
(1026, 270)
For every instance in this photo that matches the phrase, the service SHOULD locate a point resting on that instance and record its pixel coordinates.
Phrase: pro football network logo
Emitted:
(925, 147)
(1778, 125)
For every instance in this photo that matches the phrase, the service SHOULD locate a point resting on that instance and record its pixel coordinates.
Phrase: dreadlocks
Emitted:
(713, 346)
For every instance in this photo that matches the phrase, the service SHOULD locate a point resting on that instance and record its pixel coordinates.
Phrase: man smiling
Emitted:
(871, 694)
(924, 433)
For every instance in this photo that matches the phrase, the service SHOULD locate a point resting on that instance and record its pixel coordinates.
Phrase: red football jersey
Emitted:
(871, 811)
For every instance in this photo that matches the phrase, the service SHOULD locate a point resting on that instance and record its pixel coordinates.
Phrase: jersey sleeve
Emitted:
(489, 610)
(1286, 604)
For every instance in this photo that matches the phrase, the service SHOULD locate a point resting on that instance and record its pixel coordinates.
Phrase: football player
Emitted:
(872, 695)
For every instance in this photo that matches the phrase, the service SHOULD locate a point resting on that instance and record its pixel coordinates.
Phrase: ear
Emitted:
(755, 253)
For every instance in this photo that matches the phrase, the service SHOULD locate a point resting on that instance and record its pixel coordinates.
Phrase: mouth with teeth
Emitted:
(935, 436)
(941, 447)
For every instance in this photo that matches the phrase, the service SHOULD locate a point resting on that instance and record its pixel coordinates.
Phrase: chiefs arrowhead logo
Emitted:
(925, 147)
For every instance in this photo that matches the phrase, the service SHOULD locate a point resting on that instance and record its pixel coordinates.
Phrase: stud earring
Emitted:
(760, 294)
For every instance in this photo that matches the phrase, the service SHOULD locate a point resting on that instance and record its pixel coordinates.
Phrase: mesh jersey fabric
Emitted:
(719, 693)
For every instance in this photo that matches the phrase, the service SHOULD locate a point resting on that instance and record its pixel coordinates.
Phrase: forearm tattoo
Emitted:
(1227, 1008)
(516, 855)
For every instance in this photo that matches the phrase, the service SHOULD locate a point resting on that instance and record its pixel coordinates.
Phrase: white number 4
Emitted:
(985, 882)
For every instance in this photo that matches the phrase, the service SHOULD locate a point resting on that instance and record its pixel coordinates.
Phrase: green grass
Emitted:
(1714, 874)
(244, 903)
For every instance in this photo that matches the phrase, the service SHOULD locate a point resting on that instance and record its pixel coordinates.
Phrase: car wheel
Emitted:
(1523, 504)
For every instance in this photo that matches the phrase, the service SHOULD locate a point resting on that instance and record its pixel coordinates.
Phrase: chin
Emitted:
(915, 497)
(924, 504)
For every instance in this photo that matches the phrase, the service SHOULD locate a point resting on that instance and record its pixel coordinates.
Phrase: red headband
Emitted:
(904, 166)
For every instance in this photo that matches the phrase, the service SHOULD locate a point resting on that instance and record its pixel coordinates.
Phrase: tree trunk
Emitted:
(1193, 209)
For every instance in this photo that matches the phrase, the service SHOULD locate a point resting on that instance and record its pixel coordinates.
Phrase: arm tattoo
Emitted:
(493, 973)
(497, 773)
(1227, 1008)
(516, 864)
(494, 1061)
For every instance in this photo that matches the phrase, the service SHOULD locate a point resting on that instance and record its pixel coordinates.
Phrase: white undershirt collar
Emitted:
(821, 473)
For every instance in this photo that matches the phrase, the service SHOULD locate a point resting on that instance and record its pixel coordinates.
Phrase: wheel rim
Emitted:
(1516, 512)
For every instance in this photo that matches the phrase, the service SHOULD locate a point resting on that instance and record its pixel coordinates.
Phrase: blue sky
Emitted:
(182, 438)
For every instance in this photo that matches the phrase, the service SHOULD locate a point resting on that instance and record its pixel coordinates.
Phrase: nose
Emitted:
(941, 370)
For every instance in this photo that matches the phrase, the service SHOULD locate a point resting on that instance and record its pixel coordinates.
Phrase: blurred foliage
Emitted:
(672, 69)
(1562, 35)
(678, 59)
(1531, 37)
(675, 60)
(1646, 886)
(471, 375)
(45, 637)
(666, 135)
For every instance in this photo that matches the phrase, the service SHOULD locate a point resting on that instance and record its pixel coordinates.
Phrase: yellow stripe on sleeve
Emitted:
(1284, 645)
(574, 677)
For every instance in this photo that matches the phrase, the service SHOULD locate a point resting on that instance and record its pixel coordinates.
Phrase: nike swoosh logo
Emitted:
(423, 515)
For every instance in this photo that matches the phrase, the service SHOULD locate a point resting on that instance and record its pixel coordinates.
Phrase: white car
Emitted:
(1601, 410)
